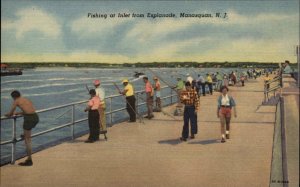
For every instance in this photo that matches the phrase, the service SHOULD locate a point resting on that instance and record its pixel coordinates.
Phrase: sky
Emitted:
(63, 31)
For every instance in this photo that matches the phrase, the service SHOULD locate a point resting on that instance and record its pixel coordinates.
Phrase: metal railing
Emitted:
(73, 122)
(267, 87)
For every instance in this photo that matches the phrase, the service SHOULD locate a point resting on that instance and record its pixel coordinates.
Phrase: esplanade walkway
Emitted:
(151, 154)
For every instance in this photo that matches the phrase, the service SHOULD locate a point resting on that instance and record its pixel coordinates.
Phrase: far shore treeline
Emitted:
(146, 65)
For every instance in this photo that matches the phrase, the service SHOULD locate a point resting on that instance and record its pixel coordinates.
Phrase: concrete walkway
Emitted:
(151, 154)
(290, 93)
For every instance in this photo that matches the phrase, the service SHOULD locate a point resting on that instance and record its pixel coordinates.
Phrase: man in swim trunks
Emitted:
(30, 120)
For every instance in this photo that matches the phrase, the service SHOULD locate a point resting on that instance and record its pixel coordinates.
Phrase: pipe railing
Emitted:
(73, 122)
(273, 80)
(268, 89)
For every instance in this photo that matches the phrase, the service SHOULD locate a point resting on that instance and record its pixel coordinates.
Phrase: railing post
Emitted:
(73, 121)
(13, 145)
(265, 92)
(110, 103)
(137, 103)
(171, 96)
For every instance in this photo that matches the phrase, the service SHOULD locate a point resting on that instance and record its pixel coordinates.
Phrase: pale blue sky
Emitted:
(35, 31)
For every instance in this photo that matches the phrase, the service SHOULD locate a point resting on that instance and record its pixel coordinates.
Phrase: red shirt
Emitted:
(148, 87)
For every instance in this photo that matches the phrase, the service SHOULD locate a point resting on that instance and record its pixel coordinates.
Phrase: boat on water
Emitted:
(138, 74)
(6, 71)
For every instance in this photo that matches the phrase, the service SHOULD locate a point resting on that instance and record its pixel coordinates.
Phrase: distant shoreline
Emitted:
(146, 65)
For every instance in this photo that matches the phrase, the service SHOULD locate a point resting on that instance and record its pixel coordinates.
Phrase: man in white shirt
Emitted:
(201, 82)
(287, 68)
(100, 92)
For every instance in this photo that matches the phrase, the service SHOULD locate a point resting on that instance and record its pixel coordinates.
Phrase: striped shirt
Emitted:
(189, 97)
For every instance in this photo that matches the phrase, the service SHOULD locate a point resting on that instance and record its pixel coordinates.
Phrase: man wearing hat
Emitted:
(130, 100)
(189, 98)
(189, 78)
(156, 87)
(100, 92)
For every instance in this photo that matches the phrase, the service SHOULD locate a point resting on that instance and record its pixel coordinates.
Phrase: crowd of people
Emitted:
(189, 92)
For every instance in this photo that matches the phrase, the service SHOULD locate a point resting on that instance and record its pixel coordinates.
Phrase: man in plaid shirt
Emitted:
(189, 98)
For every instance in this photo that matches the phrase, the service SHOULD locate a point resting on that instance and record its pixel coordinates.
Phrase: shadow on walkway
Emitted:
(170, 141)
(205, 142)
(76, 141)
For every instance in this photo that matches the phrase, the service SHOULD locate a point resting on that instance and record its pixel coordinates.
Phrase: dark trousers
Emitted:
(197, 90)
(158, 104)
(203, 88)
(149, 105)
(189, 115)
(130, 107)
(210, 87)
(93, 119)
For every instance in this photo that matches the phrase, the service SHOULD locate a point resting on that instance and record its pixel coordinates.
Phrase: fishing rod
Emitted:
(165, 113)
(71, 108)
(141, 119)
(63, 114)
(86, 86)
(172, 87)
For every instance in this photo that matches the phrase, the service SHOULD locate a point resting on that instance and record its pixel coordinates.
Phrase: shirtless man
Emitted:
(30, 121)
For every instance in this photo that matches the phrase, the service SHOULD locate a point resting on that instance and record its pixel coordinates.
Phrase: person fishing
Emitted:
(189, 78)
(149, 97)
(31, 119)
(190, 100)
(287, 68)
(225, 105)
(100, 92)
(130, 100)
(209, 82)
(157, 88)
(93, 116)
(179, 88)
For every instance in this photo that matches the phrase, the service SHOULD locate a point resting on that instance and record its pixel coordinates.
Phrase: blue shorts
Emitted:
(157, 94)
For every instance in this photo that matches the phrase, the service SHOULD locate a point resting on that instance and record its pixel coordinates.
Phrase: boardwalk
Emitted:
(151, 154)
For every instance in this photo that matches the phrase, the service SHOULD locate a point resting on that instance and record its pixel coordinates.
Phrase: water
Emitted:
(50, 87)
